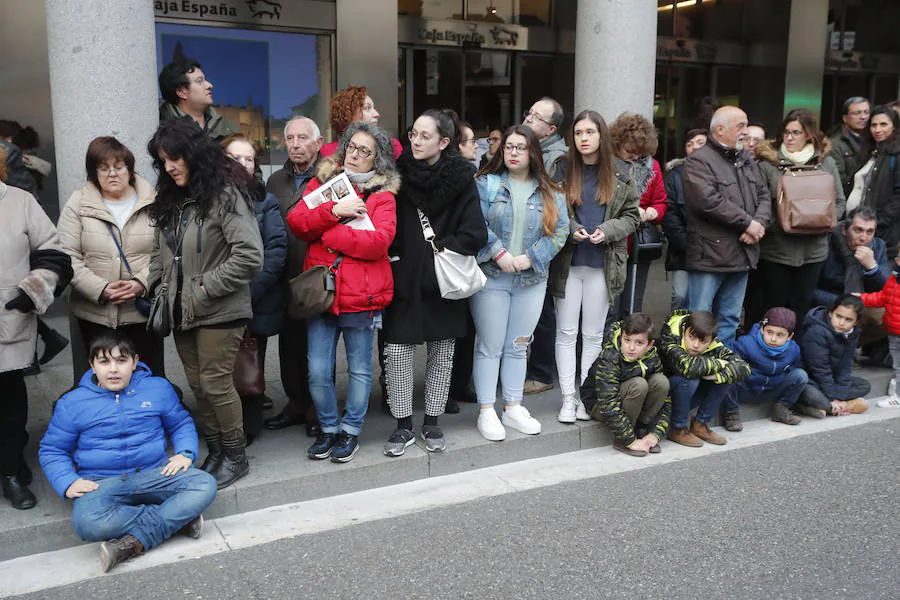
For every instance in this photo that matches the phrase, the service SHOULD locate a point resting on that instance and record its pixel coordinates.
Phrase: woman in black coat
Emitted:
(440, 183)
(877, 183)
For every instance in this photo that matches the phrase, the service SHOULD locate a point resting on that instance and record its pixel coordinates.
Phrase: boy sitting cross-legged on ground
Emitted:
(776, 369)
(626, 389)
(106, 449)
(828, 342)
(701, 370)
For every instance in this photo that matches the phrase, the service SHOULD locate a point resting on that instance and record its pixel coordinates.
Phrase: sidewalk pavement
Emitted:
(280, 472)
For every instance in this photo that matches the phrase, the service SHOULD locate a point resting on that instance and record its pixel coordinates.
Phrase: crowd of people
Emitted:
(554, 229)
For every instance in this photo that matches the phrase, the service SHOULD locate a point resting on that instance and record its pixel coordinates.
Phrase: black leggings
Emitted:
(13, 419)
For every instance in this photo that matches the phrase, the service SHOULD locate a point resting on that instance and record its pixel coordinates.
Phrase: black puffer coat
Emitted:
(883, 191)
(446, 193)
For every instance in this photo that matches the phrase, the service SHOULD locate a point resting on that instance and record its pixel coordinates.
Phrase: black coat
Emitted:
(265, 289)
(883, 192)
(674, 223)
(446, 193)
(827, 354)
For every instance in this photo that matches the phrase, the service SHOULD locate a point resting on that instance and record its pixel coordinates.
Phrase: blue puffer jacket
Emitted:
(768, 366)
(95, 433)
(828, 355)
(265, 290)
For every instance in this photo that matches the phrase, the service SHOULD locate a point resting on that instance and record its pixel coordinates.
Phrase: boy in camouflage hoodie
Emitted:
(701, 370)
(626, 390)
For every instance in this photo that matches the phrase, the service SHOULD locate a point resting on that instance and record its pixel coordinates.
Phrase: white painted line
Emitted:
(63, 567)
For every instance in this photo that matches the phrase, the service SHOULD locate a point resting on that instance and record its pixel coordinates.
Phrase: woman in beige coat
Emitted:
(32, 270)
(111, 212)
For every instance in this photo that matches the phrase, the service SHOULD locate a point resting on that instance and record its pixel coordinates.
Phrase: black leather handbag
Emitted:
(648, 242)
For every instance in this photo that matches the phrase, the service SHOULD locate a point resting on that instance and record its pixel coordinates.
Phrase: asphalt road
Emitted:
(815, 517)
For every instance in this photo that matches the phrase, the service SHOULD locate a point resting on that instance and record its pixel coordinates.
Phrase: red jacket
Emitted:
(364, 281)
(889, 299)
(654, 196)
(331, 147)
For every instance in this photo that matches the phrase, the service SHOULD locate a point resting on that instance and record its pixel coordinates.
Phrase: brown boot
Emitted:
(857, 406)
(684, 437)
(118, 550)
(783, 414)
(702, 431)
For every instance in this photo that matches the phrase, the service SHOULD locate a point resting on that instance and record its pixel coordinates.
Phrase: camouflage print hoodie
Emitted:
(601, 387)
(717, 360)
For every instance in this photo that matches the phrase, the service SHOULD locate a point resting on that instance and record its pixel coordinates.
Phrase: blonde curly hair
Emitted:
(635, 132)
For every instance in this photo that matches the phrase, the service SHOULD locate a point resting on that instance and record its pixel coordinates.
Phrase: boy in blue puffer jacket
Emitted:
(776, 369)
(106, 449)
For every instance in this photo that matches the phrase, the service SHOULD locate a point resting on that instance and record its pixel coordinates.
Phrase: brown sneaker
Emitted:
(536, 387)
(783, 414)
(684, 437)
(702, 431)
(858, 406)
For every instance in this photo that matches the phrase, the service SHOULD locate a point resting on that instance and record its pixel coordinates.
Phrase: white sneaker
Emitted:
(489, 425)
(520, 419)
(891, 401)
(892, 387)
(581, 412)
(567, 412)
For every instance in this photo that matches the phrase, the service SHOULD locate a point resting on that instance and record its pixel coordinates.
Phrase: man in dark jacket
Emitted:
(858, 262)
(845, 143)
(303, 141)
(187, 94)
(728, 207)
(105, 448)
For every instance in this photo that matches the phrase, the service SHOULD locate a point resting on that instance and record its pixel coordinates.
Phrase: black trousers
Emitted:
(13, 418)
(463, 356)
(292, 348)
(148, 347)
(775, 284)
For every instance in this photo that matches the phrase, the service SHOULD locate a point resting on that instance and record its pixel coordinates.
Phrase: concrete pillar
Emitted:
(102, 81)
(615, 56)
(807, 44)
(367, 50)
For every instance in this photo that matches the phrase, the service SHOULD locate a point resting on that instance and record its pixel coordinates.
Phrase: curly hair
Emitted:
(210, 171)
(345, 105)
(636, 132)
(384, 151)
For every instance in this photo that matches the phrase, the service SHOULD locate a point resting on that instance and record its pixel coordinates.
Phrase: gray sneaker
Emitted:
(433, 438)
(399, 441)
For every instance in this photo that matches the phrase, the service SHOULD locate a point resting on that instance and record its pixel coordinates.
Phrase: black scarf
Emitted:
(431, 188)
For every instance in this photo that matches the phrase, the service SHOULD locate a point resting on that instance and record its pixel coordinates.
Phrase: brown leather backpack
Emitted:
(805, 204)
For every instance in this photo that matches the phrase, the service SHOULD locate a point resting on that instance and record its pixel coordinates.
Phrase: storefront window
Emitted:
(432, 9)
(261, 78)
(518, 12)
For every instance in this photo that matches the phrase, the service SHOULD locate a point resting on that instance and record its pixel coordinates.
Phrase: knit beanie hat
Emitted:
(780, 317)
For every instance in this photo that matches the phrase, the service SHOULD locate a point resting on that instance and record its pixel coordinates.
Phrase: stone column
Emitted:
(807, 45)
(615, 56)
(102, 81)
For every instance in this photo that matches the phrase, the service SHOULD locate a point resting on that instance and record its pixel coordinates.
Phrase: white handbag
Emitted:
(458, 276)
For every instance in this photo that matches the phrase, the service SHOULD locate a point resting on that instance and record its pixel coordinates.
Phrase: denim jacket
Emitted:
(498, 216)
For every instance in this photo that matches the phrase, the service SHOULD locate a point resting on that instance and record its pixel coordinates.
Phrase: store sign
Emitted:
(286, 13)
(492, 36)
(686, 50)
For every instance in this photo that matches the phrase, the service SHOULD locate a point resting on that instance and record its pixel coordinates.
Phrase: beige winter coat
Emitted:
(24, 228)
(85, 237)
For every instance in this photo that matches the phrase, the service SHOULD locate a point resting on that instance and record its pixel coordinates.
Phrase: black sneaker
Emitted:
(399, 441)
(344, 448)
(323, 447)
(433, 438)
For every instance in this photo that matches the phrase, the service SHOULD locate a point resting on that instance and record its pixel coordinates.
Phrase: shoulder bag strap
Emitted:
(119, 248)
(427, 230)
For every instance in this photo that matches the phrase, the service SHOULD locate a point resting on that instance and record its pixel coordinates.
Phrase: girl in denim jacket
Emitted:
(527, 223)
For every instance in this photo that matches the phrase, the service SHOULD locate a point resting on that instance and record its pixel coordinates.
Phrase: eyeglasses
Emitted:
(106, 169)
(360, 150)
(519, 149)
(795, 133)
(466, 141)
(413, 135)
(534, 116)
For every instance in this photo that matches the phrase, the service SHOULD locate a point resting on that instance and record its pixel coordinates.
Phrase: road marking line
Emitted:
(46, 570)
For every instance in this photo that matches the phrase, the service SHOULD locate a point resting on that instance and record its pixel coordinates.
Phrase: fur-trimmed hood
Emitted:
(767, 151)
(674, 163)
(380, 182)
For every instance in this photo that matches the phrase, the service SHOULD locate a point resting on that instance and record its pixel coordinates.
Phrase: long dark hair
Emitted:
(211, 171)
(536, 171)
(808, 123)
(867, 143)
(606, 163)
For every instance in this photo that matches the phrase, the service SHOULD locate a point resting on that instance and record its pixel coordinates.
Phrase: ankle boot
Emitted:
(234, 464)
(54, 343)
(214, 458)
(118, 550)
(15, 490)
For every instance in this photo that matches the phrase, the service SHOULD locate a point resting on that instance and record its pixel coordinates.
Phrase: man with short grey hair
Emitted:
(303, 140)
(544, 118)
(845, 143)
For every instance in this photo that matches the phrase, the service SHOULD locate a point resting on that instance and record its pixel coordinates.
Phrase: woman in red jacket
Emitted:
(363, 282)
(636, 140)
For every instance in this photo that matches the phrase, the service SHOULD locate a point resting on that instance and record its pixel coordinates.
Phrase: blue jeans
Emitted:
(786, 392)
(680, 289)
(722, 294)
(146, 504)
(505, 314)
(321, 354)
(689, 393)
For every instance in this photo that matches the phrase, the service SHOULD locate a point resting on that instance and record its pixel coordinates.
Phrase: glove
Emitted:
(21, 303)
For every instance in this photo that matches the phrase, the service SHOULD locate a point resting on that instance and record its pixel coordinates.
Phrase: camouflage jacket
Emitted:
(717, 360)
